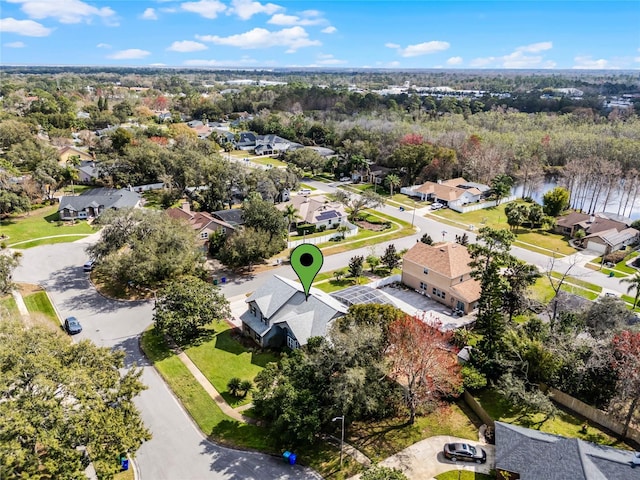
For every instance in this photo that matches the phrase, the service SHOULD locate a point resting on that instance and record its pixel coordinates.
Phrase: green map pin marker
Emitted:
(306, 260)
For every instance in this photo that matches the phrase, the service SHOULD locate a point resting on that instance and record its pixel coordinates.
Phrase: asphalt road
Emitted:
(178, 450)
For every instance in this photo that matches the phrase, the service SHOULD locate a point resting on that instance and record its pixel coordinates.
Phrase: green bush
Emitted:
(322, 228)
(616, 256)
(306, 227)
(473, 379)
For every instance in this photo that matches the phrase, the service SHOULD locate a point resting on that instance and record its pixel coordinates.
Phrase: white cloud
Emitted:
(149, 14)
(157, 64)
(454, 61)
(222, 63)
(306, 20)
(187, 46)
(65, 11)
(168, 10)
(420, 48)
(245, 9)
(15, 45)
(103, 45)
(327, 59)
(205, 8)
(129, 54)
(518, 58)
(28, 28)
(293, 38)
(329, 29)
(536, 47)
(586, 62)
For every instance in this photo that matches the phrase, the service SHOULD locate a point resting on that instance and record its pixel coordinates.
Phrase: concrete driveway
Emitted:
(424, 460)
(178, 450)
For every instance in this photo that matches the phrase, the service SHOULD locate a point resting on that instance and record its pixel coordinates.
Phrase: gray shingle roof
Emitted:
(283, 301)
(106, 197)
(544, 456)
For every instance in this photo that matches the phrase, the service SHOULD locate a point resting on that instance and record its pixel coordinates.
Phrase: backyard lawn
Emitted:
(40, 223)
(564, 423)
(494, 217)
(238, 361)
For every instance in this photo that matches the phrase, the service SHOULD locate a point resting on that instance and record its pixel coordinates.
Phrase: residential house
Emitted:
(65, 153)
(278, 314)
(454, 192)
(273, 144)
(88, 172)
(246, 141)
(202, 222)
(233, 216)
(203, 131)
(317, 210)
(92, 203)
(442, 272)
(605, 232)
(526, 454)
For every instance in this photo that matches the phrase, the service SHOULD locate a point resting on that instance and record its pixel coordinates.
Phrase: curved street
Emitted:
(178, 449)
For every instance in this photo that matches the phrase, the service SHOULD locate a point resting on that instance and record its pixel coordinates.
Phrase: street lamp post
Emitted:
(444, 232)
(341, 437)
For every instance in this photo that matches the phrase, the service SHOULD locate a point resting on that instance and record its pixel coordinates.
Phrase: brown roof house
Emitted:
(202, 222)
(442, 272)
(604, 234)
(454, 192)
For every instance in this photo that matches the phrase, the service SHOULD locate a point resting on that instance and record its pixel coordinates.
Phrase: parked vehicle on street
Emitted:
(345, 179)
(304, 191)
(72, 325)
(464, 451)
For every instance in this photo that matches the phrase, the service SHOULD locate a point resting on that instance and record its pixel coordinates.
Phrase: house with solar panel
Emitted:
(317, 210)
(278, 314)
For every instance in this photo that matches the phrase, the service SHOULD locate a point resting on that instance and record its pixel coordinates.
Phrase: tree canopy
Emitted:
(58, 398)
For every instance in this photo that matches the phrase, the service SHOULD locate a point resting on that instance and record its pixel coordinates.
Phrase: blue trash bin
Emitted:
(223, 279)
(125, 464)
(292, 459)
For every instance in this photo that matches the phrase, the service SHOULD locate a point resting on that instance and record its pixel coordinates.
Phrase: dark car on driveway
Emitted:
(464, 451)
(72, 325)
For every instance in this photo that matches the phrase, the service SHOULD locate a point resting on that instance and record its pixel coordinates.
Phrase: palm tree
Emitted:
(634, 284)
(342, 229)
(392, 181)
(291, 214)
(359, 163)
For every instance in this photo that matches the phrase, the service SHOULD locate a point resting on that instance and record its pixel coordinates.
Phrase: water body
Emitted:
(612, 206)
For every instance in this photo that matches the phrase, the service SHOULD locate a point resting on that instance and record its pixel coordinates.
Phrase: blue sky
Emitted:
(336, 34)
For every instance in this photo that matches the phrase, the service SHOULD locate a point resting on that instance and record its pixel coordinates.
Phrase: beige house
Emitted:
(65, 153)
(442, 272)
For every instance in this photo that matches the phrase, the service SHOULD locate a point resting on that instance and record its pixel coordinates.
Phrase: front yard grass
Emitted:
(494, 217)
(204, 411)
(38, 224)
(219, 428)
(463, 475)
(564, 423)
(39, 302)
(267, 161)
(8, 304)
(222, 349)
(542, 291)
(379, 440)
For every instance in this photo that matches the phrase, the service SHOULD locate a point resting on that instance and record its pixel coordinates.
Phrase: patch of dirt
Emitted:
(374, 227)
(26, 289)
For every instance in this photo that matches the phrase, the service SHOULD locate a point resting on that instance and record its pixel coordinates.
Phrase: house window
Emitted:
(292, 343)
(435, 290)
(426, 271)
(204, 235)
(423, 286)
(439, 293)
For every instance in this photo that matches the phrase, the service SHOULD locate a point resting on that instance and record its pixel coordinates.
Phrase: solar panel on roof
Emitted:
(327, 215)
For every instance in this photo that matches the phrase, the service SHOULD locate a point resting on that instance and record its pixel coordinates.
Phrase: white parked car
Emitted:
(345, 179)
(436, 206)
(304, 192)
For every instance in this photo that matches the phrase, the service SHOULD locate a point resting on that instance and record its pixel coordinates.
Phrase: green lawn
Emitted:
(335, 285)
(221, 429)
(564, 423)
(463, 475)
(38, 224)
(619, 270)
(39, 303)
(544, 293)
(267, 161)
(223, 349)
(9, 304)
(199, 404)
(378, 440)
(495, 217)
